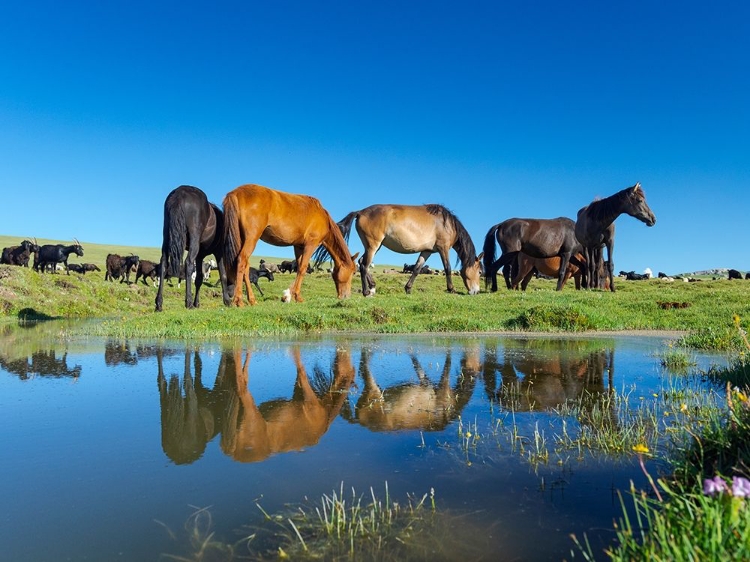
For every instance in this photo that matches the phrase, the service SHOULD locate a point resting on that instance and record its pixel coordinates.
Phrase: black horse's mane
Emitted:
(464, 246)
(601, 209)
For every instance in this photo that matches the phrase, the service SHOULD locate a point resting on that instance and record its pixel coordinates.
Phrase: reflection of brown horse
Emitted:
(423, 405)
(252, 432)
(411, 229)
(192, 415)
(545, 374)
(254, 212)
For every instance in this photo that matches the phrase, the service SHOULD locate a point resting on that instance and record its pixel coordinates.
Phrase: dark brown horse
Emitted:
(254, 212)
(194, 224)
(410, 229)
(595, 228)
(538, 238)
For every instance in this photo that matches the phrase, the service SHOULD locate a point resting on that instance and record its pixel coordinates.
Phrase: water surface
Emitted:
(107, 444)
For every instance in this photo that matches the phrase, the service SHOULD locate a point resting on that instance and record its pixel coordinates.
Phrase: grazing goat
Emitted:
(734, 274)
(19, 255)
(148, 269)
(119, 267)
(256, 274)
(50, 255)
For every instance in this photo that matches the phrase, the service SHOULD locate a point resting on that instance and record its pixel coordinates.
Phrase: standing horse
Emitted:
(408, 229)
(255, 212)
(194, 224)
(595, 227)
(538, 238)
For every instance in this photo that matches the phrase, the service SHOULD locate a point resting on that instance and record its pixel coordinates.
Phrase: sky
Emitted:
(493, 109)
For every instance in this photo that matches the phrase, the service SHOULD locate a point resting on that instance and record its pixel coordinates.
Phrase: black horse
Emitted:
(595, 228)
(538, 238)
(194, 224)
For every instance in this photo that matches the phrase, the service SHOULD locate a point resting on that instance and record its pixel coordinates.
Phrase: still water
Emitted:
(108, 447)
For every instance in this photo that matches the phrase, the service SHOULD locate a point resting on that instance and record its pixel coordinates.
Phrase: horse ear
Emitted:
(480, 256)
(637, 186)
(355, 256)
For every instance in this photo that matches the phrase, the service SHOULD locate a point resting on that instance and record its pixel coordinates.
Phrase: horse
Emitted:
(422, 405)
(194, 224)
(254, 212)
(408, 229)
(538, 238)
(595, 228)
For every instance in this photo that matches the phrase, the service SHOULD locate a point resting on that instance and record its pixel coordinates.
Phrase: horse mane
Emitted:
(334, 240)
(464, 246)
(602, 209)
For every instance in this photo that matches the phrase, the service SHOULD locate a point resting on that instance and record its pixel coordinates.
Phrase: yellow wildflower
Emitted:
(640, 448)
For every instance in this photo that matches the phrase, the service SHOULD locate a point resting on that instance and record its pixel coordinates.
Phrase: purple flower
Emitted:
(715, 485)
(740, 487)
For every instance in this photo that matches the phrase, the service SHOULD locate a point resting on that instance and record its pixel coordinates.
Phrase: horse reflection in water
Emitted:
(250, 432)
(422, 405)
(545, 374)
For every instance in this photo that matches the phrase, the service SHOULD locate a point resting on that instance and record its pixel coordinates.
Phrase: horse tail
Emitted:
(175, 227)
(232, 234)
(345, 226)
(489, 252)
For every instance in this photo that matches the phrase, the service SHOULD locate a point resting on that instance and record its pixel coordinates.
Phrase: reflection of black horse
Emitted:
(545, 374)
(192, 415)
(191, 223)
(118, 352)
(422, 405)
(42, 363)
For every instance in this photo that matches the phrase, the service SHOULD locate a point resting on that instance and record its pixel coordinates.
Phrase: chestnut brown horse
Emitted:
(595, 228)
(538, 238)
(550, 267)
(254, 212)
(410, 229)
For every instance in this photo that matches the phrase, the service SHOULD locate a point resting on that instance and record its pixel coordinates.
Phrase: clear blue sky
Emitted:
(493, 109)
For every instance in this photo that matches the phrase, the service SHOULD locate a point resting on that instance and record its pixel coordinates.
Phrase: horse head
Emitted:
(342, 276)
(471, 273)
(638, 207)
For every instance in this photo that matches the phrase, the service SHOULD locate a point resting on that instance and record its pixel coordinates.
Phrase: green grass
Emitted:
(127, 310)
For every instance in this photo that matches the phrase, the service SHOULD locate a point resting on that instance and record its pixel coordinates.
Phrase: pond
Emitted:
(110, 447)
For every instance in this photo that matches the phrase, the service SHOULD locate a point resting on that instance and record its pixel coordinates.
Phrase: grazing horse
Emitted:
(254, 212)
(422, 405)
(595, 228)
(194, 224)
(538, 238)
(408, 229)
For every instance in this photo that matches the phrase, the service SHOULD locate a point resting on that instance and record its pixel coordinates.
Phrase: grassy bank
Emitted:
(127, 310)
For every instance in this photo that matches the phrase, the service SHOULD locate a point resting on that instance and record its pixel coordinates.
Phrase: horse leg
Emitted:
(189, 270)
(611, 264)
(525, 281)
(564, 259)
(417, 268)
(368, 282)
(303, 254)
(198, 279)
(160, 292)
(447, 268)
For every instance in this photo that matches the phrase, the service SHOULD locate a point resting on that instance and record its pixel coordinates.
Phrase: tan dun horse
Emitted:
(254, 212)
(410, 229)
(595, 228)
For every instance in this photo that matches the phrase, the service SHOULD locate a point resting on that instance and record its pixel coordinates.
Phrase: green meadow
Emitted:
(703, 310)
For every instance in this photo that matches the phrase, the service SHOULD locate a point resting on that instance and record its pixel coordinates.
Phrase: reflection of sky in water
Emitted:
(84, 471)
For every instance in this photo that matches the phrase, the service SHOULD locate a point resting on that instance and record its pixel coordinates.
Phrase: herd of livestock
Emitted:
(559, 248)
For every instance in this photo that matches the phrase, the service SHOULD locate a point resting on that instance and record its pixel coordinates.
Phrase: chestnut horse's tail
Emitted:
(489, 252)
(345, 226)
(232, 236)
(175, 228)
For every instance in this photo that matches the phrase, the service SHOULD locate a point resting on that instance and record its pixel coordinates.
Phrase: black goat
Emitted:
(19, 255)
(734, 274)
(50, 255)
(119, 267)
(256, 274)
